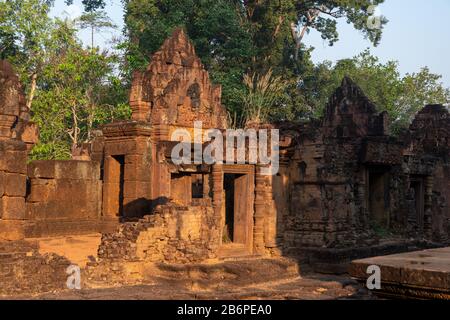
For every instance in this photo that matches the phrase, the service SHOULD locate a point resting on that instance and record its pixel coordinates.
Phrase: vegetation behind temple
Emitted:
(257, 50)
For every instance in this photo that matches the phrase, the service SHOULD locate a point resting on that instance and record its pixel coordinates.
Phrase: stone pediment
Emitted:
(175, 89)
(350, 114)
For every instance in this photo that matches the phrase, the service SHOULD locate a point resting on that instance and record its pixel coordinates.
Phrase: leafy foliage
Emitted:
(401, 96)
(261, 96)
(70, 90)
(76, 94)
(256, 49)
(90, 5)
(234, 38)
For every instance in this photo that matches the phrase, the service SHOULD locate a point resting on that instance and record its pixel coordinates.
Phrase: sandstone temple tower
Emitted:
(344, 182)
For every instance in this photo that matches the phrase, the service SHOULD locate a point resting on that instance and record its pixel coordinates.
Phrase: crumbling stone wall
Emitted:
(172, 234)
(24, 271)
(47, 198)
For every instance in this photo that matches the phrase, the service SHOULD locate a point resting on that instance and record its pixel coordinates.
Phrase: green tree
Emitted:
(262, 94)
(94, 17)
(219, 31)
(78, 92)
(96, 22)
(234, 38)
(90, 5)
(24, 35)
(70, 90)
(401, 96)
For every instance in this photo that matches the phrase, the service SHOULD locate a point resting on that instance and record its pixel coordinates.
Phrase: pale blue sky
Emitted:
(417, 35)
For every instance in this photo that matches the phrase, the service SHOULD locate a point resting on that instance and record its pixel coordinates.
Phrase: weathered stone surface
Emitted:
(12, 230)
(13, 160)
(171, 234)
(25, 271)
(11, 97)
(344, 184)
(347, 178)
(12, 208)
(15, 185)
(423, 274)
(14, 114)
(177, 87)
(62, 194)
(71, 170)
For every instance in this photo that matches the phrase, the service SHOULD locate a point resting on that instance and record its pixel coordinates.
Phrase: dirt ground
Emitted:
(307, 287)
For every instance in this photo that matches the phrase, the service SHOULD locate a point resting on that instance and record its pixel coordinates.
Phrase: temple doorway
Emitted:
(116, 180)
(378, 197)
(417, 184)
(237, 213)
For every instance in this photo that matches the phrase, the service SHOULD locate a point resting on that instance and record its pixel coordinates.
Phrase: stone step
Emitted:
(418, 275)
(233, 251)
(229, 273)
(242, 258)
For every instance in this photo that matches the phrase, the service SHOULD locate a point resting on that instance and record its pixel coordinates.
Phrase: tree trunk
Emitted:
(90, 123)
(75, 127)
(32, 90)
(92, 38)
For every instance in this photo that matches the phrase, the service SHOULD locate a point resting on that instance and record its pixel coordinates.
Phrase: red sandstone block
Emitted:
(13, 161)
(36, 211)
(111, 170)
(12, 208)
(12, 145)
(12, 230)
(74, 170)
(55, 210)
(2, 184)
(15, 185)
(127, 147)
(71, 191)
(41, 190)
(137, 171)
(136, 189)
(98, 146)
(42, 169)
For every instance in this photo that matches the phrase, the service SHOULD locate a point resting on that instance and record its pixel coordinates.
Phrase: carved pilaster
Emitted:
(217, 194)
(261, 202)
(428, 216)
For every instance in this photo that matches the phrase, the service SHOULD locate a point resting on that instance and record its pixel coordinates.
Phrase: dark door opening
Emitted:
(379, 197)
(118, 174)
(197, 186)
(419, 196)
(237, 221)
(228, 232)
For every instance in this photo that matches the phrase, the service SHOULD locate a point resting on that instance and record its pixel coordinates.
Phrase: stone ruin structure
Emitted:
(344, 183)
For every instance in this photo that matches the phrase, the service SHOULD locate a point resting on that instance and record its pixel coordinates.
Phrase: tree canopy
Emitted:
(257, 50)
(235, 38)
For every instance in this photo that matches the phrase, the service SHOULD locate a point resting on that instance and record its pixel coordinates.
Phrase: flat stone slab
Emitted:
(422, 274)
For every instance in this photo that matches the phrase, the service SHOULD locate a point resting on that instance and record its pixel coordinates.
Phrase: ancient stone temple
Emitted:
(344, 187)
(347, 181)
